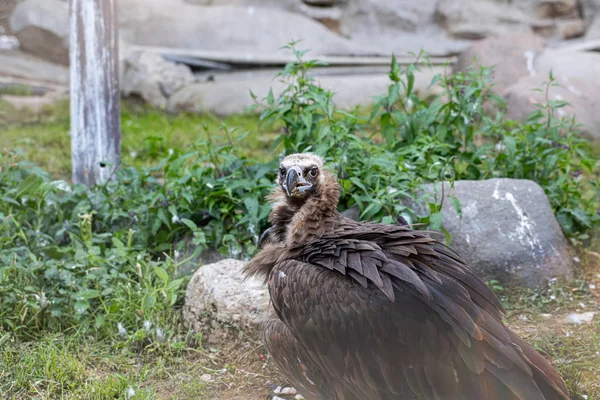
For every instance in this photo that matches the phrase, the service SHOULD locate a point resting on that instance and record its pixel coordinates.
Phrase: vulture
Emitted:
(367, 311)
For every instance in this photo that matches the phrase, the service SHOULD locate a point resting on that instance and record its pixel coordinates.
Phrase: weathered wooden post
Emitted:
(95, 101)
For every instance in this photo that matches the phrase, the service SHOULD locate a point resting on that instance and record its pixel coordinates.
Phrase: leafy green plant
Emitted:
(107, 259)
(410, 140)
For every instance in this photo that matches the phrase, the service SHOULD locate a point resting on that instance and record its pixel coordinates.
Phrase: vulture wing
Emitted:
(383, 312)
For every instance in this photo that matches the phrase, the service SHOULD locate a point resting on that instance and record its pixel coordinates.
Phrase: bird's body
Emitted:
(380, 312)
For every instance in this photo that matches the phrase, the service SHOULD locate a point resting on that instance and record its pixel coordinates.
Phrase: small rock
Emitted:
(299, 397)
(277, 390)
(571, 29)
(218, 295)
(288, 390)
(558, 9)
(580, 318)
(277, 398)
(206, 378)
(8, 42)
(466, 19)
(153, 78)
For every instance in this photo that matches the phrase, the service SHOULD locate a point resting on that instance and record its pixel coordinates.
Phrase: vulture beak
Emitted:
(295, 183)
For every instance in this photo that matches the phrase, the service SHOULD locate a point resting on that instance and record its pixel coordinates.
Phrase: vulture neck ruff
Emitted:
(299, 221)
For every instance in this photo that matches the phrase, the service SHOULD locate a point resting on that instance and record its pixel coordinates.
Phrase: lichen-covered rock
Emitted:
(507, 231)
(218, 296)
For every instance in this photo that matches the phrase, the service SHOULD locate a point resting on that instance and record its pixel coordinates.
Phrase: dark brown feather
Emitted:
(383, 312)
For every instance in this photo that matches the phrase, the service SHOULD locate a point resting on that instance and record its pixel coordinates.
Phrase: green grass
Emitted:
(146, 134)
(74, 367)
(67, 368)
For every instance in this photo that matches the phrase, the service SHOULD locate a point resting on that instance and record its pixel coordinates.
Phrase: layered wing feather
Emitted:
(384, 312)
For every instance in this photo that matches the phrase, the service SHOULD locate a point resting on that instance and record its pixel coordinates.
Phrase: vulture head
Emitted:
(306, 192)
(301, 176)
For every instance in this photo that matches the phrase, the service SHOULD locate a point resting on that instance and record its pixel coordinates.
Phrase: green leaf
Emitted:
(163, 218)
(395, 71)
(393, 91)
(82, 306)
(88, 294)
(447, 237)
(11, 201)
(510, 146)
(29, 185)
(456, 204)
(270, 97)
(148, 301)
(99, 322)
(434, 80)
(372, 209)
(251, 204)
(175, 284)
(435, 221)
(190, 224)
(358, 183)
(410, 82)
(387, 220)
(162, 274)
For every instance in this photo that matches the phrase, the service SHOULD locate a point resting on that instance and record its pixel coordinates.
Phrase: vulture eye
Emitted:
(313, 172)
(281, 171)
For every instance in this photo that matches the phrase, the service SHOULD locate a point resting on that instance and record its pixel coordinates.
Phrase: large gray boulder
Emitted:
(512, 56)
(42, 27)
(218, 296)
(578, 76)
(247, 30)
(154, 79)
(507, 232)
